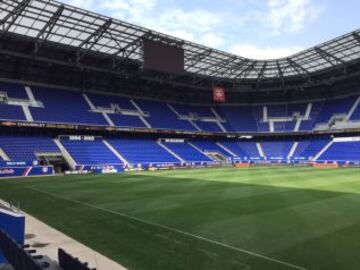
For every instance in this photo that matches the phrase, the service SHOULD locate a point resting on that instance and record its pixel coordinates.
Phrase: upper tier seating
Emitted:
(23, 148)
(356, 114)
(11, 112)
(162, 117)
(286, 110)
(187, 152)
(239, 118)
(314, 113)
(336, 106)
(342, 151)
(208, 126)
(64, 107)
(144, 151)
(90, 152)
(118, 119)
(13, 90)
(276, 149)
(284, 126)
(61, 106)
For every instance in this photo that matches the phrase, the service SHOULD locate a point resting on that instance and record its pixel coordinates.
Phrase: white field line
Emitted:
(264, 257)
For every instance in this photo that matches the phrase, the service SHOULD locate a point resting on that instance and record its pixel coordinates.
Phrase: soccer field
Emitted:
(256, 218)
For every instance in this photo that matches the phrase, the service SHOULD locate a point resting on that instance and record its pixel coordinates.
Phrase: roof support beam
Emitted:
(11, 18)
(356, 36)
(198, 57)
(220, 67)
(45, 32)
(246, 70)
(281, 73)
(132, 43)
(261, 74)
(304, 72)
(328, 56)
(89, 43)
(128, 51)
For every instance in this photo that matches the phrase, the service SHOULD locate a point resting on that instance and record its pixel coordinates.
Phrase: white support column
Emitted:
(308, 111)
(297, 125)
(227, 149)
(116, 153)
(69, 159)
(260, 150)
(170, 151)
(202, 152)
(271, 126)
(292, 150)
(173, 110)
(265, 113)
(3, 155)
(195, 125)
(146, 123)
(30, 94)
(27, 113)
(322, 151)
(89, 102)
(92, 107)
(108, 119)
(218, 122)
(353, 108)
(25, 107)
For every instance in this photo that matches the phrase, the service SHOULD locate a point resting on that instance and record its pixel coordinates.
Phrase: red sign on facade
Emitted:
(219, 94)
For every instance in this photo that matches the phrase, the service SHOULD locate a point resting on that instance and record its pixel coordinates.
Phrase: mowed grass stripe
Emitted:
(199, 237)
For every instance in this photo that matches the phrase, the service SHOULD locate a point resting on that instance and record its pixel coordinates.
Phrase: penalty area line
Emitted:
(199, 237)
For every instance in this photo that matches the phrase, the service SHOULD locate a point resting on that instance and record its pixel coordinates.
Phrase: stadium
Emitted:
(154, 152)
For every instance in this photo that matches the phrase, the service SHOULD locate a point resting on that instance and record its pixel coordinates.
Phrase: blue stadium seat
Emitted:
(342, 151)
(90, 152)
(245, 150)
(210, 146)
(10, 112)
(23, 148)
(308, 149)
(142, 151)
(277, 149)
(187, 152)
(64, 107)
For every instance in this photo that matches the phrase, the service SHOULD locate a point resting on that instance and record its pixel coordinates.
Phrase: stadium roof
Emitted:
(52, 21)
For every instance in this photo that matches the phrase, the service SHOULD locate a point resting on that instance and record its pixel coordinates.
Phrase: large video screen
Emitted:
(162, 57)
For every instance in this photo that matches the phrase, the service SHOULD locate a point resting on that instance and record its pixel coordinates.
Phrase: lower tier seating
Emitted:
(244, 150)
(277, 150)
(90, 152)
(342, 151)
(144, 151)
(309, 148)
(211, 146)
(187, 152)
(116, 151)
(24, 148)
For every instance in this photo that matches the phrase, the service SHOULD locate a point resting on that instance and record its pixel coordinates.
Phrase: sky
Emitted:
(257, 29)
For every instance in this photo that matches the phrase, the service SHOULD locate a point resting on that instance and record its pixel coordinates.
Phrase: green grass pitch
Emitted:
(257, 218)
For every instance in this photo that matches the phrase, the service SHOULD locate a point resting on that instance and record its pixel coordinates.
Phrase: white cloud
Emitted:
(195, 25)
(216, 28)
(85, 4)
(290, 16)
(212, 40)
(263, 53)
